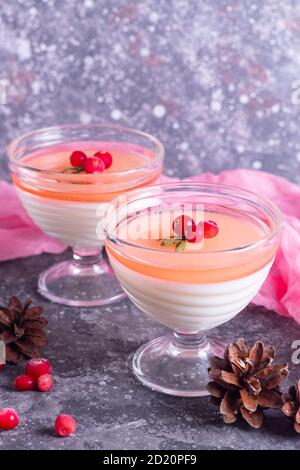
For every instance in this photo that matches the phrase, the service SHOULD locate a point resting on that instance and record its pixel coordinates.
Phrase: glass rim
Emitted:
(234, 191)
(12, 146)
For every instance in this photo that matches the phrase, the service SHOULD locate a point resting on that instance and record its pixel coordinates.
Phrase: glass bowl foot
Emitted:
(80, 285)
(177, 364)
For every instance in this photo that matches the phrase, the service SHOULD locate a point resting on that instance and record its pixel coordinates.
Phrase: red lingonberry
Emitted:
(38, 366)
(2, 366)
(211, 229)
(44, 383)
(181, 224)
(65, 425)
(24, 382)
(93, 165)
(78, 158)
(106, 157)
(194, 236)
(9, 419)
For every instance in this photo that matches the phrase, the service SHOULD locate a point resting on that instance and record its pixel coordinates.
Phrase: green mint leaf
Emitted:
(168, 242)
(180, 246)
(73, 169)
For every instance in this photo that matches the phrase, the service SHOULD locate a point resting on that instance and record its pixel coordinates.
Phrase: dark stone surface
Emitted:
(218, 83)
(91, 351)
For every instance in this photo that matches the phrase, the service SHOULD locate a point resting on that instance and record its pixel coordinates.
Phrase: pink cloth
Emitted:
(281, 291)
(19, 237)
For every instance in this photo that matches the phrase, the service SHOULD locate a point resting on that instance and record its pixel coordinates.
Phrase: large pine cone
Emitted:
(21, 329)
(245, 381)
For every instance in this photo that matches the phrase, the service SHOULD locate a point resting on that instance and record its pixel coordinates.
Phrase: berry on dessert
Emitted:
(106, 157)
(44, 383)
(38, 366)
(186, 230)
(65, 425)
(24, 383)
(94, 165)
(9, 419)
(2, 366)
(78, 158)
(194, 235)
(82, 163)
(181, 224)
(211, 229)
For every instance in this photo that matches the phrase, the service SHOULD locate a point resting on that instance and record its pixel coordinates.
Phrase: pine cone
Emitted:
(245, 382)
(291, 407)
(21, 329)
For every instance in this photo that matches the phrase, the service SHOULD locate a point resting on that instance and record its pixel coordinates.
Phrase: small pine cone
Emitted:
(291, 406)
(22, 330)
(245, 381)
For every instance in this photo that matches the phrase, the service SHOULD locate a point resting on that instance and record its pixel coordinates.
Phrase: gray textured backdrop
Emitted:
(217, 81)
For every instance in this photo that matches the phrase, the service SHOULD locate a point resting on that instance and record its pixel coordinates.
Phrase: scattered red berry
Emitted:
(181, 224)
(9, 419)
(44, 383)
(211, 229)
(194, 236)
(23, 383)
(38, 366)
(94, 165)
(2, 366)
(78, 158)
(106, 157)
(65, 425)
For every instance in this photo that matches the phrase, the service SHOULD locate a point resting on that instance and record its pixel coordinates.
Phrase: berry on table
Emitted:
(24, 383)
(211, 229)
(65, 425)
(182, 224)
(78, 158)
(93, 165)
(38, 366)
(9, 419)
(106, 157)
(44, 383)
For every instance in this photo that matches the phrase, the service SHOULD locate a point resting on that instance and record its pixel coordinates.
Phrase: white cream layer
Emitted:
(77, 224)
(188, 307)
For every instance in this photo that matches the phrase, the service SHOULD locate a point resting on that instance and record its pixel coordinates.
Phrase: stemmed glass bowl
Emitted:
(194, 290)
(71, 207)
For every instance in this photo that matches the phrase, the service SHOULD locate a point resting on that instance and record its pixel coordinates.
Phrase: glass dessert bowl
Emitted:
(190, 280)
(69, 202)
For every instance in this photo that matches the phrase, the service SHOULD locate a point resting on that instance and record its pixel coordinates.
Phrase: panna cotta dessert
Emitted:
(65, 177)
(191, 256)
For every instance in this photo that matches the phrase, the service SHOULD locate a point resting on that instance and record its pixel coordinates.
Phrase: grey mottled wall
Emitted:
(217, 81)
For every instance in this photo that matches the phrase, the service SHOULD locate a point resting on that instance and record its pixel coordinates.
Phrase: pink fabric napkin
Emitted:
(19, 237)
(281, 291)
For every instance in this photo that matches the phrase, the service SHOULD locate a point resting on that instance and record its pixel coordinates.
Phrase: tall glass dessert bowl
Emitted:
(191, 256)
(70, 205)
